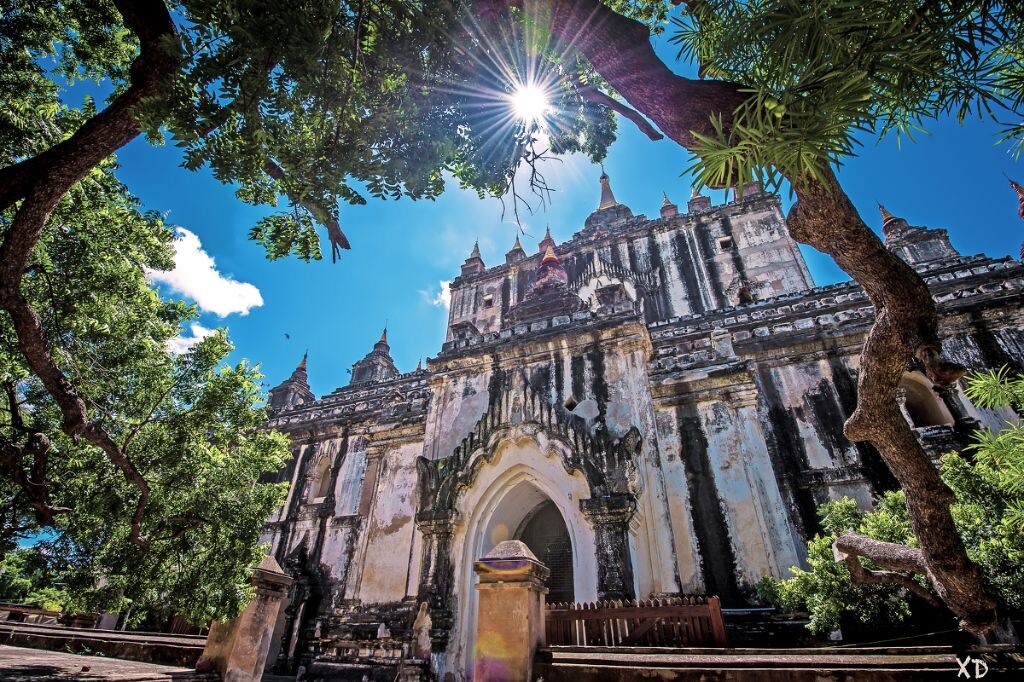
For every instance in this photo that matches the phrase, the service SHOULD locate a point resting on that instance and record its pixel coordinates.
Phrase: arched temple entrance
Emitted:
(523, 492)
(544, 532)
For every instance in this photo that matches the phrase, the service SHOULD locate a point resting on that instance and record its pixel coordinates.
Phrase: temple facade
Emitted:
(655, 407)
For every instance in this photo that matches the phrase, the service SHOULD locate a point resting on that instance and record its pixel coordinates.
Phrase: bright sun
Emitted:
(530, 103)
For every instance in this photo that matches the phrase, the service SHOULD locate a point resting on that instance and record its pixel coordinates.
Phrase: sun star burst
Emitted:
(530, 103)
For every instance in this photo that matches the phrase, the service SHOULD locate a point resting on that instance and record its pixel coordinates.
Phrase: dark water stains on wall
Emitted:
(788, 456)
(844, 380)
(717, 559)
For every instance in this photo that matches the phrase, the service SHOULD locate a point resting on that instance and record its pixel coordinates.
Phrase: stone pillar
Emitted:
(963, 422)
(436, 573)
(610, 516)
(237, 649)
(510, 617)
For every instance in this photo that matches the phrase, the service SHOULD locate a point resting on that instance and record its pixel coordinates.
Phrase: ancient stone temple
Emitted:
(653, 407)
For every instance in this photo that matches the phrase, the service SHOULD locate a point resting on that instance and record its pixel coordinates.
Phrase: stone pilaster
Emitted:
(510, 619)
(436, 574)
(610, 516)
(237, 649)
(963, 422)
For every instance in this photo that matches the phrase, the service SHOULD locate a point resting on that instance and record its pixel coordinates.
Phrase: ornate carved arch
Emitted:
(608, 464)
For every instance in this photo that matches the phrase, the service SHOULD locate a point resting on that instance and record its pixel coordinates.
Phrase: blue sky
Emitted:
(403, 250)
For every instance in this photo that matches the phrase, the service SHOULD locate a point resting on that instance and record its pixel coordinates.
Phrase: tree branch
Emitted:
(320, 213)
(848, 546)
(598, 97)
(54, 171)
(41, 182)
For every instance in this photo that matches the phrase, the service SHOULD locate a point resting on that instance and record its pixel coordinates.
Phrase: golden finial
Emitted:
(886, 216)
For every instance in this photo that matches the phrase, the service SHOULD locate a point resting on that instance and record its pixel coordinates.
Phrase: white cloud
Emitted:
(181, 344)
(442, 298)
(195, 276)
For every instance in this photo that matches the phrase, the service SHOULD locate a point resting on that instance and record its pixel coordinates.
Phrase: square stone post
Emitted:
(510, 618)
(237, 649)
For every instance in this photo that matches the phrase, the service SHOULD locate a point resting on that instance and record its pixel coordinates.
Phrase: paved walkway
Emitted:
(17, 663)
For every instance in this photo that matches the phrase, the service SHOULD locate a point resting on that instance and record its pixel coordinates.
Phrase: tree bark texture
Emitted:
(906, 324)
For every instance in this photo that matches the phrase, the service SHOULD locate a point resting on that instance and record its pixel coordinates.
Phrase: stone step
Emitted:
(582, 664)
(151, 647)
(764, 651)
(28, 665)
(592, 673)
(738, 660)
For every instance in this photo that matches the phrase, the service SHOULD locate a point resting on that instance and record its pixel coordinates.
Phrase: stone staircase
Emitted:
(149, 647)
(924, 663)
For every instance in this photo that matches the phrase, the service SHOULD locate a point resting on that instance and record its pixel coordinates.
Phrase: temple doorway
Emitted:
(543, 531)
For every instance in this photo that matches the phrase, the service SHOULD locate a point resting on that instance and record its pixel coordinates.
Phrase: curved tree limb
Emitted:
(848, 546)
(598, 97)
(41, 182)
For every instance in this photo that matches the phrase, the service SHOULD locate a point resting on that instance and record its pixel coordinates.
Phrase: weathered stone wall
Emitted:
(680, 265)
(686, 442)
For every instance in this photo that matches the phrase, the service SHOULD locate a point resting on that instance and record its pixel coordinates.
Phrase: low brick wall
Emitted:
(148, 647)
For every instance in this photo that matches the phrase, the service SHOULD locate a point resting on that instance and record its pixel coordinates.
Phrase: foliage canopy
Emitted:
(821, 73)
(188, 425)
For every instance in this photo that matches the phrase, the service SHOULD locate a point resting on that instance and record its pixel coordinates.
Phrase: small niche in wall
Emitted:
(488, 300)
(725, 243)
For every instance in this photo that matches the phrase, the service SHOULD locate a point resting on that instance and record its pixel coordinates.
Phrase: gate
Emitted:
(674, 622)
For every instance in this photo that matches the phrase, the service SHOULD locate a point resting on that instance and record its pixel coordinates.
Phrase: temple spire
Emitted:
(547, 242)
(294, 390)
(892, 226)
(668, 209)
(1020, 197)
(516, 253)
(474, 263)
(607, 197)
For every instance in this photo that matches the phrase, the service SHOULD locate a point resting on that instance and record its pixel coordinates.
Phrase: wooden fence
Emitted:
(676, 622)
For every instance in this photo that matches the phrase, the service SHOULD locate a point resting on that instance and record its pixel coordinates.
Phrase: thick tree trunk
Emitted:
(40, 183)
(823, 216)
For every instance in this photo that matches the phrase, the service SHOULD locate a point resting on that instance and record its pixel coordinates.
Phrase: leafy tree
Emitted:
(827, 591)
(190, 454)
(25, 578)
(988, 484)
(313, 103)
